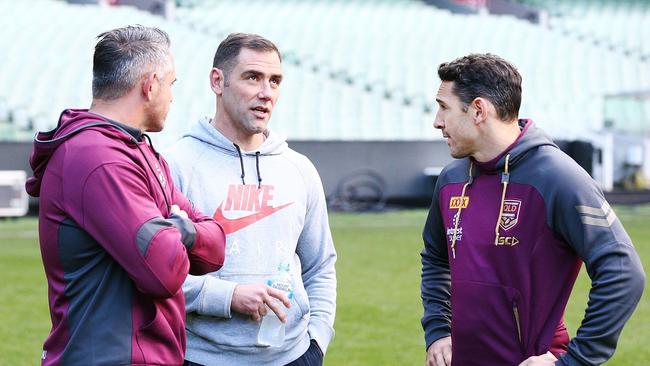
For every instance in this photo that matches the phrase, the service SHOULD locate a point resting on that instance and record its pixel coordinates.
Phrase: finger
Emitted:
(276, 307)
(175, 209)
(429, 361)
(263, 310)
(260, 311)
(446, 355)
(280, 295)
(440, 360)
(255, 316)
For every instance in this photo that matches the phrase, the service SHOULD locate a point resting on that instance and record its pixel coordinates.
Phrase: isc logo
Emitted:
(458, 202)
(509, 241)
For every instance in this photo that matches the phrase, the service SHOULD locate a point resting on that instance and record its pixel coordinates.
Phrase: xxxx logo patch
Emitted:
(458, 202)
(510, 216)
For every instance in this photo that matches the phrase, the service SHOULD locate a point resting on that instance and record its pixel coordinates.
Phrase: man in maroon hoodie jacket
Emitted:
(117, 238)
(511, 221)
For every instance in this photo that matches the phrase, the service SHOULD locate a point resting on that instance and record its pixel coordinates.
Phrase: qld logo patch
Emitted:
(458, 202)
(510, 216)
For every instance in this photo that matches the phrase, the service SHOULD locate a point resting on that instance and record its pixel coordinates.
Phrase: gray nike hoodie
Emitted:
(271, 205)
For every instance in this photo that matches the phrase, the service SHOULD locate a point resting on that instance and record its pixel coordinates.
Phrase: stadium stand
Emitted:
(50, 69)
(619, 25)
(397, 45)
(355, 70)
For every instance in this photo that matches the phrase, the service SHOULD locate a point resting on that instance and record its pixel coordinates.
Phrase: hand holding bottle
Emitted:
(272, 329)
(253, 299)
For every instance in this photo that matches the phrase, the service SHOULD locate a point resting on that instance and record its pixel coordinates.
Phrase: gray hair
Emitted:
(124, 55)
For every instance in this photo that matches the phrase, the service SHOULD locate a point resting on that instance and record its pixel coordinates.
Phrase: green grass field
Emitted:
(378, 317)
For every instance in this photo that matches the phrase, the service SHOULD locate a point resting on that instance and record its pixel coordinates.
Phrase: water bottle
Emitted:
(271, 331)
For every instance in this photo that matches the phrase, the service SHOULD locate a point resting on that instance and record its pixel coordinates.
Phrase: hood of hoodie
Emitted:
(274, 144)
(529, 138)
(204, 131)
(71, 122)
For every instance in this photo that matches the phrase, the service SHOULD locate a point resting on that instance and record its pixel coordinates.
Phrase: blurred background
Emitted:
(358, 98)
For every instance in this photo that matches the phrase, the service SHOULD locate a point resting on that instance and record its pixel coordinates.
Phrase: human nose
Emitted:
(266, 91)
(438, 122)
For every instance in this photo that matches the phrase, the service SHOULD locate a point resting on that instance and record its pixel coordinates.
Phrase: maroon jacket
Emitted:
(504, 241)
(114, 256)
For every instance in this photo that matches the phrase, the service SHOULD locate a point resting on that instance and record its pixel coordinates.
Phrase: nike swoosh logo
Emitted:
(232, 225)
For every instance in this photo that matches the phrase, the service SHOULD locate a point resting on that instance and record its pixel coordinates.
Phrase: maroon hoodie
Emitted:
(115, 257)
(504, 242)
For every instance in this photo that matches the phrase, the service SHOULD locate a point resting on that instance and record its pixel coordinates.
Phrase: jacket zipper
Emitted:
(515, 311)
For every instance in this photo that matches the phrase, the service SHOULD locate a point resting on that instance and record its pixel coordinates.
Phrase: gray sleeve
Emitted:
(208, 295)
(436, 276)
(584, 219)
(318, 257)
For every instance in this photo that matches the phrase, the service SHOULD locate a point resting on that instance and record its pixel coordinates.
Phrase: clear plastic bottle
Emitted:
(272, 330)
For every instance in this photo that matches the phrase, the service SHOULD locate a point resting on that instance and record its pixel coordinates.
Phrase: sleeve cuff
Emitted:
(433, 336)
(216, 297)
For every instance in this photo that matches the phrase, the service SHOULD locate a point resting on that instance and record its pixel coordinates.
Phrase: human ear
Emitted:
(479, 108)
(216, 80)
(148, 85)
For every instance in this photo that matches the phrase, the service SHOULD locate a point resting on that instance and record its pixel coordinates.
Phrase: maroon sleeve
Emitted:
(118, 210)
(208, 251)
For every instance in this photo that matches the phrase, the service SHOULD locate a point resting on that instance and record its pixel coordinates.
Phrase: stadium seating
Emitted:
(48, 60)
(354, 70)
(397, 45)
(619, 25)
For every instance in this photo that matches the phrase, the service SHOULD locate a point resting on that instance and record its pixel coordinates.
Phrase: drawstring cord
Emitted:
(241, 163)
(460, 208)
(505, 178)
(257, 165)
(151, 145)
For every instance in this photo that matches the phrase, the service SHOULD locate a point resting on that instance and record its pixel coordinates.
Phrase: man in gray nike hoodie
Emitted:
(269, 199)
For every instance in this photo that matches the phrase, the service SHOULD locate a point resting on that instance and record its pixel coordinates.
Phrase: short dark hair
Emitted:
(123, 55)
(226, 56)
(488, 76)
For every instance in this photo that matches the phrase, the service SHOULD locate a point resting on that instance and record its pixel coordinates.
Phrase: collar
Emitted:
(135, 132)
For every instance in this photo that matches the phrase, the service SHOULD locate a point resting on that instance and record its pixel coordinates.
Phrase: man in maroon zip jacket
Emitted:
(510, 223)
(117, 238)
